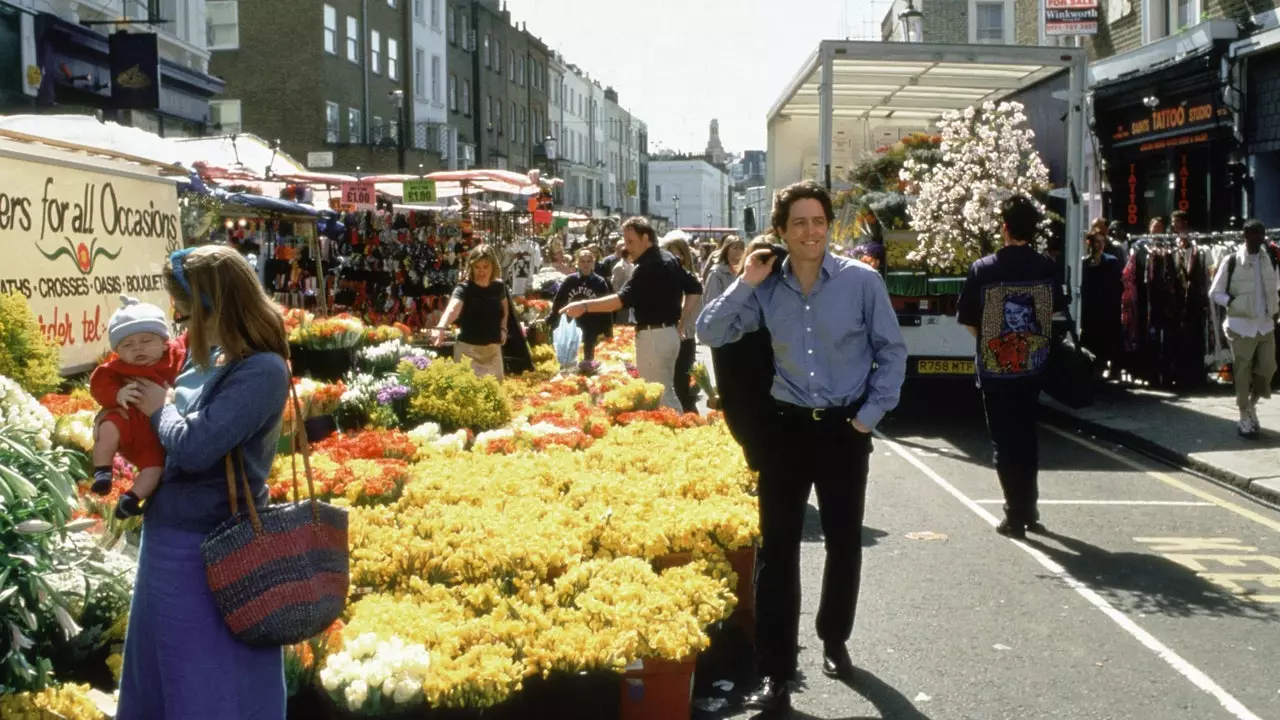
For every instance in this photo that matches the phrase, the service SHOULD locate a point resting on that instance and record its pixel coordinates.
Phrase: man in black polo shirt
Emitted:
(657, 291)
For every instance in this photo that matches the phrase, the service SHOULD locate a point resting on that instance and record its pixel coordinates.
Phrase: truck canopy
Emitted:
(851, 97)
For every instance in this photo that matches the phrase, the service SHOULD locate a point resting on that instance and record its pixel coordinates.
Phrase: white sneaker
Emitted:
(1253, 417)
(1245, 427)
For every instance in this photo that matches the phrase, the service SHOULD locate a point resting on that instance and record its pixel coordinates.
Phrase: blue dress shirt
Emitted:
(830, 346)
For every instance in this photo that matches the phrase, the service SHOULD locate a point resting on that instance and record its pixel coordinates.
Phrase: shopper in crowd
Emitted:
(1181, 223)
(1101, 286)
(688, 322)
(480, 307)
(726, 264)
(618, 277)
(1008, 303)
(584, 284)
(605, 266)
(1156, 226)
(1117, 242)
(1248, 286)
(839, 360)
(744, 375)
(180, 658)
(556, 257)
(656, 292)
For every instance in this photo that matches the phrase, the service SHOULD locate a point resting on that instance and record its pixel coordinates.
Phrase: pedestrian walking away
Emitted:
(657, 292)
(839, 362)
(1007, 303)
(1247, 286)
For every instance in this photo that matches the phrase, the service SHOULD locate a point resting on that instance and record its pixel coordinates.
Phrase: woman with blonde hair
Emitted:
(479, 306)
(726, 264)
(180, 658)
(688, 321)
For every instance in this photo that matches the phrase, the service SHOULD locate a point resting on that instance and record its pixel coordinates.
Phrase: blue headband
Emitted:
(176, 261)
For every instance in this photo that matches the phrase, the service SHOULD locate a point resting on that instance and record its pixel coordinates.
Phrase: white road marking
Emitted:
(1173, 503)
(1164, 652)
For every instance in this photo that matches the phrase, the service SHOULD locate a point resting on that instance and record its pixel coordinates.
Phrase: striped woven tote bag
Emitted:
(279, 575)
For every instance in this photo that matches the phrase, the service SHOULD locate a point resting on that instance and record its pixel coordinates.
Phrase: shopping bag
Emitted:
(567, 338)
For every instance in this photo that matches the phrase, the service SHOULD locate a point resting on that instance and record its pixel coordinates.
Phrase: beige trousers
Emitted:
(1253, 365)
(485, 359)
(656, 353)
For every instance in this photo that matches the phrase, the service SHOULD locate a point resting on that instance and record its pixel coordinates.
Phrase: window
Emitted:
(657, 193)
(488, 60)
(419, 73)
(222, 24)
(989, 23)
(513, 121)
(436, 64)
(466, 98)
(391, 3)
(511, 66)
(520, 70)
(353, 40)
(376, 128)
(225, 115)
(497, 56)
(331, 122)
(435, 13)
(417, 10)
(524, 125)
(375, 51)
(468, 43)
(330, 30)
(453, 92)
(393, 58)
(451, 26)
(355, 126)
(497, 120)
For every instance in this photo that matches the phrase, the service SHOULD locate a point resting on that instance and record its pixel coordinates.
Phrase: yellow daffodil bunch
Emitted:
(64, 701)
(450, 394)
(634, 395)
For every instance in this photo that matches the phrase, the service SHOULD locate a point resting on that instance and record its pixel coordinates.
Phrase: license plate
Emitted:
(945, 367)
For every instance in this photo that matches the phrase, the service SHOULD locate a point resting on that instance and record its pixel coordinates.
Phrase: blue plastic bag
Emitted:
(566, 339)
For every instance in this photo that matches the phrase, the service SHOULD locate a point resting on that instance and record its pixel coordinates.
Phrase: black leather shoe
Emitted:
(772, 695)
(1011, 529)
(836, 663)
(1038, 528)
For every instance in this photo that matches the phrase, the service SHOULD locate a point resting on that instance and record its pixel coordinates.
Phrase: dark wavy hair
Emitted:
(789, 195)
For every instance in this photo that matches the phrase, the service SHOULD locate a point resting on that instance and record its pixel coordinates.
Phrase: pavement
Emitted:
(1195, 431)
(1155, 595)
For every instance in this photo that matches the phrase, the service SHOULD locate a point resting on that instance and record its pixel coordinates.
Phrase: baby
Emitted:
(139, 336)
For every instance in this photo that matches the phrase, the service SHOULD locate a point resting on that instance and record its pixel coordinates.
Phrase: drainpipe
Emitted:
(364, 65)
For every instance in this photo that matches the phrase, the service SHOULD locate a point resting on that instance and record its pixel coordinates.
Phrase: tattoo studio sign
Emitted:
(73, 240)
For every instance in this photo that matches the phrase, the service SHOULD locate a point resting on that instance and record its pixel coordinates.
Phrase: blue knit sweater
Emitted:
(240, 406)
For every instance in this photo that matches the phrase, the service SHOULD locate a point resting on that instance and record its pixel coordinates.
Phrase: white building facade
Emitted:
(581, 166)
(428, 60)
(691, 192)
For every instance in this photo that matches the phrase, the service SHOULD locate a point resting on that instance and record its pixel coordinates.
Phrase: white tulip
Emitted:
(356, 693)
(406, 690)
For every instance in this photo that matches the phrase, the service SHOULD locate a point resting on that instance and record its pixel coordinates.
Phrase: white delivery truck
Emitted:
(852, 97)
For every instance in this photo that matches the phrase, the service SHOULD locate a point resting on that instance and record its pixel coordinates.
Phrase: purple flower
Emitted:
(419, 361)
(392, 393)
(589, 367)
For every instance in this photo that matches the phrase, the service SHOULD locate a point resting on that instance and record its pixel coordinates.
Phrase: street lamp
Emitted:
(912, 23)
(398, 97)
(676, 200)
(708, 221)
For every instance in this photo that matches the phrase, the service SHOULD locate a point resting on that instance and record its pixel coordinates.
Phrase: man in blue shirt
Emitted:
(839, 363)
(1008, 303)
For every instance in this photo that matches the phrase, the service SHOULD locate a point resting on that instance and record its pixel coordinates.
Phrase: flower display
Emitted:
(988, 154)
(60, 405)
(75, 431)
(380, 334)
(377, 675)
(333, 333)
(368, 445)
(21, 411)
(64, 701)
(449, 393)
(386, 356)
(632, 396)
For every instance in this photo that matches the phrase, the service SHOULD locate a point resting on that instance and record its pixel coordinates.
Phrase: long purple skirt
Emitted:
(180, 660)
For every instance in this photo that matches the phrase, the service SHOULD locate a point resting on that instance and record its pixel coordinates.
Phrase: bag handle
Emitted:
(254, 520)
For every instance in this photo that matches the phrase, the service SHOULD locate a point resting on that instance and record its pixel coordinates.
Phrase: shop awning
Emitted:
(85, 134)
(892, 82)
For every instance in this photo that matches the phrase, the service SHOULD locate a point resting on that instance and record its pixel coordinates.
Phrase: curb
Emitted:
(1266, 490)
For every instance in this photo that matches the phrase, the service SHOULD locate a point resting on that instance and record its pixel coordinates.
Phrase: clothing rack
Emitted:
(1199, 238)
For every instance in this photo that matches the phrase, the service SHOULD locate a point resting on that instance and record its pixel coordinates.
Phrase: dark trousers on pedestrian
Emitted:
(684, 367)
(589, 340)
(832, 457)
(1012, 408)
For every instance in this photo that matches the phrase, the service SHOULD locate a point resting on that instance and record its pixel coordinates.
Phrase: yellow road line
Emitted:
(1169, 480)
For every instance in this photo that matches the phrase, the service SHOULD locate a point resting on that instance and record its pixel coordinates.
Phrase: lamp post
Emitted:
(676, 200)
(550, 145)
(398, 97)
(912, 23)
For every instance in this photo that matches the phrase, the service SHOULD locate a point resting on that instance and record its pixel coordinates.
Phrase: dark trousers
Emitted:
(684, 365)
(589, 340)
(832, 457)
(1012, 408)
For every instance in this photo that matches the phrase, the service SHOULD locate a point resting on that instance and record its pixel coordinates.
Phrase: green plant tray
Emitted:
(946, 286)
(907, 284)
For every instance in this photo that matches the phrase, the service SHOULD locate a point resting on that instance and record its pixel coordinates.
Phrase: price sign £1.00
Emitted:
(363, 195)
(419, 192)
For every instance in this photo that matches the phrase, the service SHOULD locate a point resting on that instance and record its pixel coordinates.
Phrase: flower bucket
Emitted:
(328, 365)
(320, 427)
(671, 560)
(743, 562)
(653, 689)
(297, 360)
(570, 696)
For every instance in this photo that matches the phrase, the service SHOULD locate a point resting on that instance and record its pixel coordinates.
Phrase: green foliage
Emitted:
(450, 394)
(25, 355)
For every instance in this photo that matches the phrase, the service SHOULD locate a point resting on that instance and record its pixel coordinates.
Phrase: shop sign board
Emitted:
(1070, 17)
(360, 195)
(1178, 117)
(419, 192)
(323, 159)
(75, 239)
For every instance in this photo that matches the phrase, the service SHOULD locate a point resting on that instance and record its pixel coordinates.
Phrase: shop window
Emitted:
(355, 126)
(224, 116)
(222, 23)
(353, 40)
(330, 30)
(393, 58)
(375, 51)
(331, 122)
(453, 93)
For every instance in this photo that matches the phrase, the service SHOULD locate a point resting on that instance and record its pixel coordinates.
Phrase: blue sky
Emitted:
(678, 63)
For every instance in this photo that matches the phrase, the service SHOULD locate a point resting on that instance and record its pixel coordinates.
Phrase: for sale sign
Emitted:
(361, 195)
(419, 192)
(1070, 17)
